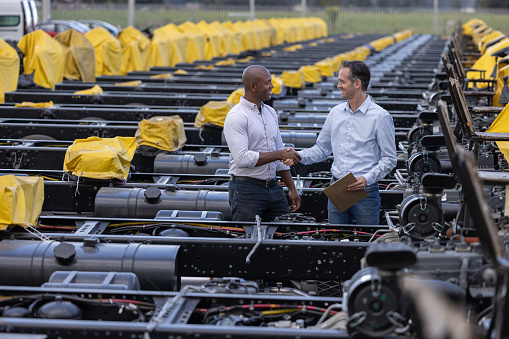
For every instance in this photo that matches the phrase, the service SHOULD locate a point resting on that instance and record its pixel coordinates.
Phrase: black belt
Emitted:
(265, 183)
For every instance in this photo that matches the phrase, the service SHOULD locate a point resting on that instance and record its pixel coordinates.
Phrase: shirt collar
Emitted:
(249, 104)
(364, 107)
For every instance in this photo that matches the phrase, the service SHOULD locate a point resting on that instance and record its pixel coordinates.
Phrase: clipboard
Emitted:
(340, 197)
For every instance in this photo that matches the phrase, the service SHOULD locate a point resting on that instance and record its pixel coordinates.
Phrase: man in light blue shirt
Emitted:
(360, 134)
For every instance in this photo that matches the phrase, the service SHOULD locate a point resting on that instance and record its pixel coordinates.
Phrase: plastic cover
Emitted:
(234, 97)
(311, 73)
(213, 43)
(79, 55)
(35, 104)
(196, 41)
(294, 79)
(135, 50)
(487, 62)
(107, 158)
(9, 68)
(108, 51)
(21, 200)
(501, 125)
(43, 57)
(160, 49)
(213, 112)
(166, 133)
(178, 42)
(96, 90)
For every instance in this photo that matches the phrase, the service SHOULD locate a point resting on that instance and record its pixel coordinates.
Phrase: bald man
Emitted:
(257, 153)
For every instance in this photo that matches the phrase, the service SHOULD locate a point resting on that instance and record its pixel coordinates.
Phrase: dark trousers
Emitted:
(365, 212)
(248, 199)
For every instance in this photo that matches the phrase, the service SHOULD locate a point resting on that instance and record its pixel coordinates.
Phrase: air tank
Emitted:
(200, 163)
(114, 202)
(31, 263)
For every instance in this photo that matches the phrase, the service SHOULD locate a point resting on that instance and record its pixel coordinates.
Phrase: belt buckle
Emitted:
(269, 183)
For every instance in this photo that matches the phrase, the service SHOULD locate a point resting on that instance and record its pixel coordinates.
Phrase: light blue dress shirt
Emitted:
(247, 133)
(362, 142)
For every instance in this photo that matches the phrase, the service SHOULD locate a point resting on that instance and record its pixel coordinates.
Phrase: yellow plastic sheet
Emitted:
(160, 49)
(21, 200)
(79, 55)
(196, 42)
(107, 158)
(204, 67)
(213, 112)
(35, 104)
(43, 57)
(487, 62)
(311, 73)
(181, 72)
(178, 42)
(501, 125)
(134, 83)
(108, 51)
(162, 76)
(292, 48)
(503, 70)
(9, 68)
(294, 79)
(239, 37)
(96, 90)
(234, 97)
(225, 62)
(213, 40)
(278, 85)
(166, 133)
(225, 38)
(135, 50)
(487, 39)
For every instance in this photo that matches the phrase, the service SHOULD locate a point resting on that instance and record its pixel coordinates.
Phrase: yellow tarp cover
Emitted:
(181, 72)
(292, 48)
(213, 42)
(43, 57)
(79, 55)
(178, 42)
(501, 125)
(311, 73)
(134, 83)
(96, 90)
(196, 41)
(502, 71)
(35, 104)
(488, 38)
(9, 68)
(162, 76)
(239, 37)
(278, 85)
(166, 133)
(108, 51)
(382, 43)
(21, 200)
(469, 26)
(225, 38)
(160, 49)
(280, 32)
(225, 62)
(294, 79)
(204, 67)
(107, 158)
(213, 112)
(234, 97)
(135, 50)
(486, 61)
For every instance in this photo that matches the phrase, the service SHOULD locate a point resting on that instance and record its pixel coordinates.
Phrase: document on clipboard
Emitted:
(340, 197)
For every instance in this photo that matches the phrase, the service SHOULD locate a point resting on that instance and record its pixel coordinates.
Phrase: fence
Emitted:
(364, 20)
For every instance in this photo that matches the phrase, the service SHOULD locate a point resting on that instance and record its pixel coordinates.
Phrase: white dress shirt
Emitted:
(362, 142)
(247, 133)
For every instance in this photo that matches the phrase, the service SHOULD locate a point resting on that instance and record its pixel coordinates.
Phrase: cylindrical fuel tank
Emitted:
(31, 263)
(189, 164)
(114, 202)
(297, 138)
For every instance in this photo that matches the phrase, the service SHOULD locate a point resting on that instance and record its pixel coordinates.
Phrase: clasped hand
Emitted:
(290, 157)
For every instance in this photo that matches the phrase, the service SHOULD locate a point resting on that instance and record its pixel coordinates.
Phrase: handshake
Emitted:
(290, 157)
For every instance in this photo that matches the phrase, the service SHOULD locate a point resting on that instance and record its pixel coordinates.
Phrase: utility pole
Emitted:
(251, 9)
(435, 16)
(46, 10)
(130, 13)
(303, 7)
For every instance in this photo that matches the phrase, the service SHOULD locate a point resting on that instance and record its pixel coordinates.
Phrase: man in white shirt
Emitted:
(361, 136)
(257, 153)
